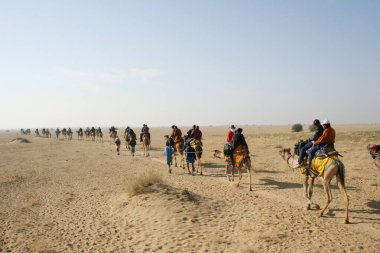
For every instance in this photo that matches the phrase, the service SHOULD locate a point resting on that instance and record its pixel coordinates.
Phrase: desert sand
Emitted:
(72, 196)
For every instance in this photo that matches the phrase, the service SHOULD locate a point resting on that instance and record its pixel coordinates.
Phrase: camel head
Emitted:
(285, 153)
(372, 148)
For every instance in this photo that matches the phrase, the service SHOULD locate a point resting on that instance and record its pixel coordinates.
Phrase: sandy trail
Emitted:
(70, 196)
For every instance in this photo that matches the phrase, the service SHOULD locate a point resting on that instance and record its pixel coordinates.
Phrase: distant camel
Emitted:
(69, 134)
(335, 168)
(64, 132)
(218, 154)
(57, 132)
(146, 143)
(113, 133)
(99, 135)
(80, 134)
(374, 151)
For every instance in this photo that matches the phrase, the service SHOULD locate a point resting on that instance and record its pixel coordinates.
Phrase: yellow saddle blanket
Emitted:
(321, 164)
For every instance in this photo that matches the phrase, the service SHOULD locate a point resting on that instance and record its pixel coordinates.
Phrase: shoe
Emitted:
(297, 166)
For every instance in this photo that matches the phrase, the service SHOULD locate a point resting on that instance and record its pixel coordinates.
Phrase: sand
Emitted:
(72, 196)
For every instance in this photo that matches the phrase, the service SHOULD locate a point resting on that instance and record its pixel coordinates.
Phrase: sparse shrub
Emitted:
(21, 140)
(313, 128)
(141, 183)
(297, 128)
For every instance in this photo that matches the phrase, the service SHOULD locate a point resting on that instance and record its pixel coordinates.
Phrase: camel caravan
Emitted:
(314, 158)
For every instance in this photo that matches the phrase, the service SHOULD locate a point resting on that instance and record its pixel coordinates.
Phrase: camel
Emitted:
(127, 140)
(99, 135)
(113, 133)
(57, 132)
(245, 162)
(333, 169)
(146, 143)
(69, 134)
(80, 134)
(178, 150)
(37, 132)
(374, 151)
(197, 145)
(64, 132)
(87, 133)
(93, 133)
(218, 154)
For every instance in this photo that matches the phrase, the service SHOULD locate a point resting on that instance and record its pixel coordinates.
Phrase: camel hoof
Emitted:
(346, 221)
(250, 189)
(320, 215)
(316, 206)
(307, 208)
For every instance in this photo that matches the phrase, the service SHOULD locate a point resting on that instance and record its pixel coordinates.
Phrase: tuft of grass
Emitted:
(142, 183)
(21, 140)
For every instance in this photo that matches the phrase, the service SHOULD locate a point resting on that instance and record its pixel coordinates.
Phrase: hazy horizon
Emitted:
(84, 63)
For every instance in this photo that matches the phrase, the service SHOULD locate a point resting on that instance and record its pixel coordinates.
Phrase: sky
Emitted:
(102, 63)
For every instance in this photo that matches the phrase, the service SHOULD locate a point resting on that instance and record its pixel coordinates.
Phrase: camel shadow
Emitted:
(375, 210)
(267, 171)
(374, 205)
(280, 185)
(209, 165)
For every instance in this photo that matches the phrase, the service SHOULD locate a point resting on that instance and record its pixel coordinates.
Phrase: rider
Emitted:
(230, 134)
(176, 135)
(144, 129)
(326, 139)
(196, 134)
(191, 131)
(239, 140)
(228, 155)
(310, 142)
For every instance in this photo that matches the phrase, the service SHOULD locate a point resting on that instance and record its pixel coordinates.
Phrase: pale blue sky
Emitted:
(78, 63)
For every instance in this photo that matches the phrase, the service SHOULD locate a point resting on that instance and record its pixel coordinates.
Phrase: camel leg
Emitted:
(306, 192)
(250, 176)
(240, 175)
(342, 189)
(233, 172)
(326, 186)
(175, 160)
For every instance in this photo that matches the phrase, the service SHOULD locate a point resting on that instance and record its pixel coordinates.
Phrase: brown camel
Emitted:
(197, 145)
(178, 150)
(146, 143)
(241, 159)
(333, 169)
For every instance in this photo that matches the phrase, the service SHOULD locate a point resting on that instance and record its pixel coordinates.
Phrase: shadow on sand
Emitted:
(287, 185)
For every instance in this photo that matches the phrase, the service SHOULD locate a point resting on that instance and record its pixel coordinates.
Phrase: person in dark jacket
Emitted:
(239, 140)
(310, 142)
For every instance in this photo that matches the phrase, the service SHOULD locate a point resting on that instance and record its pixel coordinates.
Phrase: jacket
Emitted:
(318, 133)
(238, 139)
(230, 135)
(328, 137)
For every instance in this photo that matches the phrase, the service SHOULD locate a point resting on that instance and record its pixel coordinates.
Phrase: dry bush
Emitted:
(21, 140)
(297, 128)
(141, 183)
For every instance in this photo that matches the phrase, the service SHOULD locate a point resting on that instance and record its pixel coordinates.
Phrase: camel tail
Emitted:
(341, 173)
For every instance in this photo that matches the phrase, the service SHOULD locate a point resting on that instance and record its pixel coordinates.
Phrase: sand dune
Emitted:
(72, 196)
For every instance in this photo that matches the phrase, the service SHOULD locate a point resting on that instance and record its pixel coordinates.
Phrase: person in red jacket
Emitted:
(230, 134)
(326, 139)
